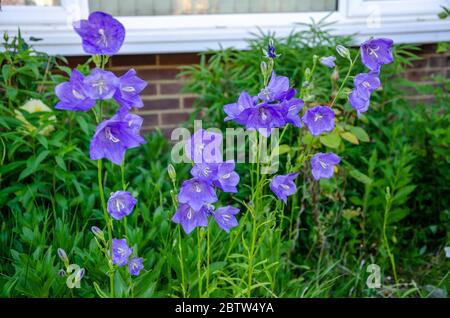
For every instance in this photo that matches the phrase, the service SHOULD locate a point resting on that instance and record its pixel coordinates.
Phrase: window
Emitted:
(162, 26)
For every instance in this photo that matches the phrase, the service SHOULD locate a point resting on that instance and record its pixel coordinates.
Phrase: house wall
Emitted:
(166, 106)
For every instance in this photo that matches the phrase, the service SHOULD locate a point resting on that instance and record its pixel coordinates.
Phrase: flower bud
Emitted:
(263, 67)
(335, 75)
(61, 273)
(5, 36)
(307, 73)
(98, 233)
(172, 172)
(62, 255)
(343, 51)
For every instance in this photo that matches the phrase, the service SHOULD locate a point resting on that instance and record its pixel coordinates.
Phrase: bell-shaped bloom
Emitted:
(114, 136)
(129, 87)
(100, 33)
(359, 103)
(205, 147)
(366, 83)
(205, 171)
(190, 218)
(120, 204)
(322, 165)
(197, 192)
(263, 118)
(276, 88)
(376, 52)
(291, 109)
(101, 84)
(135, 266)
(120, 252)
(319, 119)
(328, 61)
(225, 217)
(284, 186)
(226, 178)
(234, 110)
(72, 94)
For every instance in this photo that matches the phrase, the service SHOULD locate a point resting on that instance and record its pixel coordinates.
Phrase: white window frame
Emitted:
(405, 21)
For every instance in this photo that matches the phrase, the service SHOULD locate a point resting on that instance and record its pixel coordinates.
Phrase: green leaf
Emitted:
(360, 134)
(361, 177)
(332, 140)
(11, 92)
(6, 72)
(60, 162)
(99, 291)
(350, 137)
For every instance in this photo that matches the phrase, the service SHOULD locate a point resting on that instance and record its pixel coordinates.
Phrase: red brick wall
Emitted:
(167, 107)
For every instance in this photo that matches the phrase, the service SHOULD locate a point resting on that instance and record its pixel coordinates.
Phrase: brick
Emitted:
(150, 89)
(179, 59)
(132, 60)
(172, 88)
(419, 63)
(427, 49)
(188, 102)
(159, 74)
(161, 104)
(150, 120)
(174, 118)
(74, 61)
(437, 61)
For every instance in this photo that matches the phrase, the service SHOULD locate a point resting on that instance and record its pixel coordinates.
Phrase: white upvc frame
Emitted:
(405, 21)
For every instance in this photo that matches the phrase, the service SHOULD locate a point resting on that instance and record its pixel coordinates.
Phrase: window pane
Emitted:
(180, 7)
(40, 3)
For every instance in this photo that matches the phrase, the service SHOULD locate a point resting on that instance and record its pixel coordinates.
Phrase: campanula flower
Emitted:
(129, 87)
(271, 50)
(62, 255)
(277, 87)
(319, 119)
(323, 165)
(135, 266)
(100, 33)
(113, 136)
(205, 171)
(225, 217)
(190, 218)
(72, 94)
(234, 110)
(366, 83)
(328, 61)
(197, 192)
(205, 147)
(358, 102)
(263, 118)
(376, 52)
(101, 84)
(226, 178)
(120, 252)
(284, 186)
(291, 109)
(120, 204)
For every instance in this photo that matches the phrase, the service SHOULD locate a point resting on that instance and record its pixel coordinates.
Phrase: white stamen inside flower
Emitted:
(103, 39)
(128, 89)
(197, 188)
(366, 84)
(189, 214)
(225, 176)
(292, 108)
(100, 85)
(317, 117)
(77, 94)
(121, 251)
(226, 217)
(323, 164)
(372, 51)
(110, 136)
(284, 186)
(206, 171)
(263, 114)
(119, 205)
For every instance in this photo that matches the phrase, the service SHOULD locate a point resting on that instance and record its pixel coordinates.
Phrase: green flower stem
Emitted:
(386, 241)
(208, 259)
(183, 288)
(199, 262)
(124, 188)
(108, 224)
(352, 64)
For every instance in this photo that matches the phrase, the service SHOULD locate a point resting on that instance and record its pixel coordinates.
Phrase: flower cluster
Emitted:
(374, 54)
(102, 36)
(197, 194)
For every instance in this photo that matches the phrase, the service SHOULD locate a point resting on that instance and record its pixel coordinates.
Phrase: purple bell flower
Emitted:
(277, 87)
(271, 50)
(127, 93)
(376, 52)
(205, 147)
(284, 186)
(100, 33)
(225, 217)
(366, 83)
(190, 218)
(120, 252)
(113, 136)
(263, 118)
(196, 192)
(120, 204)
(234, 110)
(100, 84)
(319, 119)
(72, 94)
(323, 165)
(358, 102)
(291, 109)
(135, 266)
(226, 178)
(328, 61)
(205, 171)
